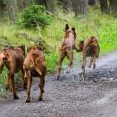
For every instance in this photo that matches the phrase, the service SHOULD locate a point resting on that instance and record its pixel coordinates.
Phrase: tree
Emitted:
(104, 6)
(92, 2)
(24, 3)
(13, 6)
(66, 5)
(2, 8)
(80, 7)
(113, 6)
(51, 5)
(41, 2)
(11, 9)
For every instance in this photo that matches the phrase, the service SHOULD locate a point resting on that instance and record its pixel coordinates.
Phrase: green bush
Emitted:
(34, 16)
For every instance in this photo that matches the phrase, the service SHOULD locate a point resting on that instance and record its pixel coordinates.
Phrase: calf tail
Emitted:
(36, 66)
(38, 70)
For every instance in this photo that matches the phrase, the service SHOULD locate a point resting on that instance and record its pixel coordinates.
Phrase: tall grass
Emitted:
(104, 27)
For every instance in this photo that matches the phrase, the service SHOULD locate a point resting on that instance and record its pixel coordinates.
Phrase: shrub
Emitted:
(34, 16)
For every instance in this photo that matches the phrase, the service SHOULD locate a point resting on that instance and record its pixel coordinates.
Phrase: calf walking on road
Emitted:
(34, 66)
(66, 49)
(90, 48)
(13, 59)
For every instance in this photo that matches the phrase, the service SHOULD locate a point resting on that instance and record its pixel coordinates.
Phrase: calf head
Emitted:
(23, 48)
(34, 47)
(69, 30)
(80, 46)
(67, 46)
(66, 27)
(2, 58)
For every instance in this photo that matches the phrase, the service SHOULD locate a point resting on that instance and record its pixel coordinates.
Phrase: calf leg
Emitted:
(8, 82)
(94, 62)
(84, 64)
(28, 89)
(70, 58)
(83, 67)
(91, 61)
(24, 79)
(41, 86)
(62, 56)
(13, 86)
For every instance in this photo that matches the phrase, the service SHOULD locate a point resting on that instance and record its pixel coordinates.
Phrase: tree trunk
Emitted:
(24, 3)
(80, 7)
(113, 6)
(51, 5)
(66, 5)
(12, 10)
(2, 9)
(42, 2)
(104, 6)
(92, 2)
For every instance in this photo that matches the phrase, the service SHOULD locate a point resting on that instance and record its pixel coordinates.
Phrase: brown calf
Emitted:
(90, 48)
(34, 65)
(13, 59)
(66, 49)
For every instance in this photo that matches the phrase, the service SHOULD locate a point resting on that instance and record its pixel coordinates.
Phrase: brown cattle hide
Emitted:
(66, 49)
(34, 65)
(13, 59)
(90, 48)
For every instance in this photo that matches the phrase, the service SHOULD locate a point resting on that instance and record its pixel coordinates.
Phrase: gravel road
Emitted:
(70, 97)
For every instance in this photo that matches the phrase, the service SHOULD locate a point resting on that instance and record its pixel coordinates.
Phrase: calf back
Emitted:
(91, 47)
(35, 59)
(14, 59)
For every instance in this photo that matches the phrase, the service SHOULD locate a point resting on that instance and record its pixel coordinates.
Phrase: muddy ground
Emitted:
(70, 97)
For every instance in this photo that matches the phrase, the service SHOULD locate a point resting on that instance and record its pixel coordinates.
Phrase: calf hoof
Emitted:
(83, 76)
(24, 87)
(89, 66)
(82, 67)
(27, 101)
(40, 99)
(42, 91)
(68, 71)
(94, 66)
(16, 97)
(7, 87)
(57, 77)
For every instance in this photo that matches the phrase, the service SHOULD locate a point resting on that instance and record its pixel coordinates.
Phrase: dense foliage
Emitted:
(34, 16)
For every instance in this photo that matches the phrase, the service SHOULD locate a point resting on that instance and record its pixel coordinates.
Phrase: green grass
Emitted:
(104, 27)
(3, 77)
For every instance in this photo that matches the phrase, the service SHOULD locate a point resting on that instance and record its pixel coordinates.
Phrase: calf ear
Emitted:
(6, 56)
(81, 42)
(34, 55)
(28, 49)
(92, 37)
(73, 29)
(66, 27)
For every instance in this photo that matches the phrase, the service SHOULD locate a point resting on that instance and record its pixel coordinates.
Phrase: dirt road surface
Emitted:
(70, 97)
